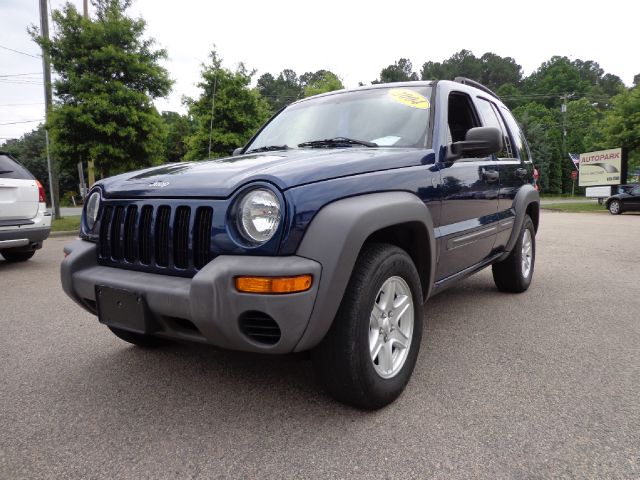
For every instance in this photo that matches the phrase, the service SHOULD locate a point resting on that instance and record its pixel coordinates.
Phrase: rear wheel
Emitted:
(369, 353)
(10, 256)
(514, 274)
(614, 207)
(139, 339)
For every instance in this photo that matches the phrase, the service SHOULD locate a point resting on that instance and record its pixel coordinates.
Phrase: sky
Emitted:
(354, 39)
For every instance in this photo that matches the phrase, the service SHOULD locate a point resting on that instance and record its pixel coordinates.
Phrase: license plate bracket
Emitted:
(123, 309)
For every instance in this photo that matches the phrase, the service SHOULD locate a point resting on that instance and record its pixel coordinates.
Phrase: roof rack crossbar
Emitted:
(473, 83)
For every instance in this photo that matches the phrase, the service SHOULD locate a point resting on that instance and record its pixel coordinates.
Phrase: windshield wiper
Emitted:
(268, 148)
(337, 142)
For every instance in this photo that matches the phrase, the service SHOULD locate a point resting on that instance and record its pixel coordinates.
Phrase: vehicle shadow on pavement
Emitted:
(200, 379)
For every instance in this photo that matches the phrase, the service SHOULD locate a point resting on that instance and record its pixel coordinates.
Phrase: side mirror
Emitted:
(237, 152)
(478, 142)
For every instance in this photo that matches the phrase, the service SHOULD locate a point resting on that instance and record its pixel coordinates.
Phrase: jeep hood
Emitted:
(219, 178)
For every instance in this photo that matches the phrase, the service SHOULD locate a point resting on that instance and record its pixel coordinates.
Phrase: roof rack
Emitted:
(473, 83)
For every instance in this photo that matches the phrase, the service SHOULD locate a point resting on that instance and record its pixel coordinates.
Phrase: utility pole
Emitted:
(48, 99)
(565, 153)
(213, 109)
(91, 171)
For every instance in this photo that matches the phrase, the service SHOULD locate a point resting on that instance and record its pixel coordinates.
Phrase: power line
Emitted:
(19, 74)
(19, 104)
(21, 82)
(18, 51)
(23, 121)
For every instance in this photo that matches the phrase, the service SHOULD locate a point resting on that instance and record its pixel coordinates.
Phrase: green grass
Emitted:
(66, 224)
(575, 207)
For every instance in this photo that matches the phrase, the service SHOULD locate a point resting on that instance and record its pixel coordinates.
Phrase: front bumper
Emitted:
(206, 308)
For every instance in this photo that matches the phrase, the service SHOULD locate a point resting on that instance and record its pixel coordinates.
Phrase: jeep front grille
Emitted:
(163, 237)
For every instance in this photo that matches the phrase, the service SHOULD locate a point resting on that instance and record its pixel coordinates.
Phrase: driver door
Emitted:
(470, 189)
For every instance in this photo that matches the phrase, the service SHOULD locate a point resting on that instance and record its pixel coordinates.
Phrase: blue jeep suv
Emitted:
(326, 232)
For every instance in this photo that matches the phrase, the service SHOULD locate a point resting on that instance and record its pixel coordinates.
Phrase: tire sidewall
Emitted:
(619, 210)
(527, 225)
(397, 264)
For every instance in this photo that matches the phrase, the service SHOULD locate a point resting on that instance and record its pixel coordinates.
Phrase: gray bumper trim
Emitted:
(33, 235)
(209, 300)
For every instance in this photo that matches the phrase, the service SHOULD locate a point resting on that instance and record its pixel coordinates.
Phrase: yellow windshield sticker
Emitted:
(409, 98)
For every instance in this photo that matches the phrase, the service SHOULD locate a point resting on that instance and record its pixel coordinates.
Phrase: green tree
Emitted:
(540, 126)
(554, 79)
(400, 71)
(178, 128)
(461, 64)
(490, 69)
(107, 77)
(621, 125)
(227, 112)
(319, 82)
(30, 150)
(280, 91)
(498, 71)
(511, 95)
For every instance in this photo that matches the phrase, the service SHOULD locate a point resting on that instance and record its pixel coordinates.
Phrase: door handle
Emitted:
(490, 176)
(521, 172)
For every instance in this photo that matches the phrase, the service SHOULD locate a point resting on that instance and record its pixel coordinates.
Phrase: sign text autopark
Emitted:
(601, 168)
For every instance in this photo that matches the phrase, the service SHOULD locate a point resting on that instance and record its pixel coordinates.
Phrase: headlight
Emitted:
(258, 215)
(91, 212)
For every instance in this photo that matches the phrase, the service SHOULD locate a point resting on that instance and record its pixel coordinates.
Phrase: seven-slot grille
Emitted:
(172, 239)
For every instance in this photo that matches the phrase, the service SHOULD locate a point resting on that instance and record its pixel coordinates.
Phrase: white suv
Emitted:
(24, 219)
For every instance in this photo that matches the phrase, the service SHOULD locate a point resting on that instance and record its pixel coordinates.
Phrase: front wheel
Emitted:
(614, 207)
(368, 355)
(514, 273)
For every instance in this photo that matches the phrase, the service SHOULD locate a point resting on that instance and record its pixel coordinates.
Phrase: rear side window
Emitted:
(10, 168)
(518, 137)
(491, 118)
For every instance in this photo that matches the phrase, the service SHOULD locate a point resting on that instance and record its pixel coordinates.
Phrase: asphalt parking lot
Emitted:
(539, 385)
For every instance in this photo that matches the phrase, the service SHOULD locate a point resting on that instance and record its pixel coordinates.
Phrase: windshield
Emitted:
(387, 117)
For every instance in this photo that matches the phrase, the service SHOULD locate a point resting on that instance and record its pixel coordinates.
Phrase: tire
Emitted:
(344, 361)
(13, 257)
(614, 207)
(139, 339)
(514, 273)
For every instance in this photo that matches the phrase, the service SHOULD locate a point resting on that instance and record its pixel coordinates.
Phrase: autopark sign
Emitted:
(601, 168)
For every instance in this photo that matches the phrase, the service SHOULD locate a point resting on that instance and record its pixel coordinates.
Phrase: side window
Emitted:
(635, 191)
(491, 118)
(462, 116)
(520, 143)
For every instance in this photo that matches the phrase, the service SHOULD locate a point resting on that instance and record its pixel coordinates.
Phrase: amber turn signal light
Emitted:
(300, 283)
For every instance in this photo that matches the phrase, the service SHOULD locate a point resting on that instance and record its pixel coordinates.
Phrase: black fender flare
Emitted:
(335, 237)
(526, 196)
